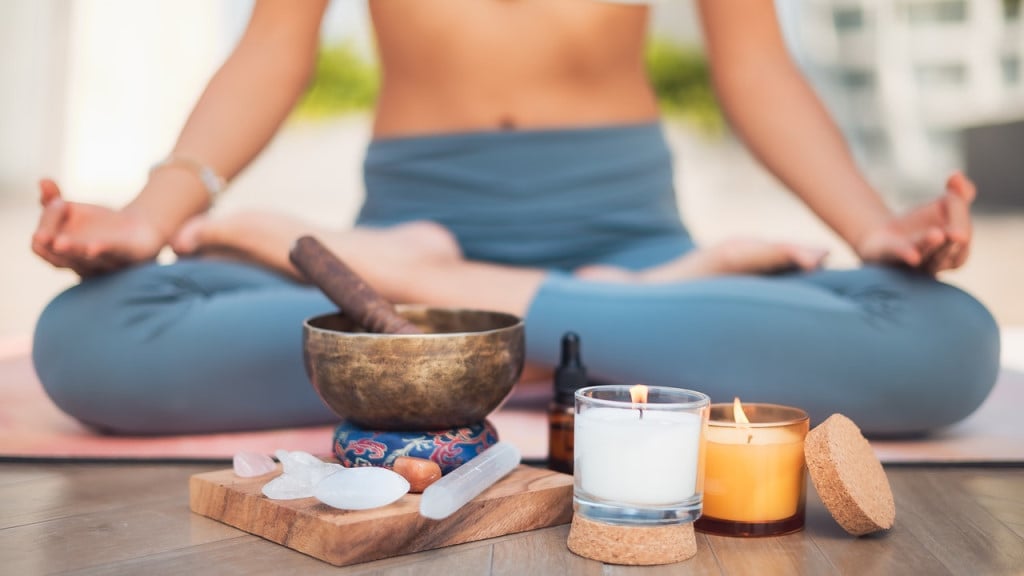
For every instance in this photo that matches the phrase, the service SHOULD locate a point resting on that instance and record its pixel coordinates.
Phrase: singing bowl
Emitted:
(455, 374)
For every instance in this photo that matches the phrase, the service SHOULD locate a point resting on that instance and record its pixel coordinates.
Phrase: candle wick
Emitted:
(749, 438)
(641, 410)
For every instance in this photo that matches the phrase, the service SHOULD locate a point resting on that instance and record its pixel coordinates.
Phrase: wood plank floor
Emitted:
(134, 519)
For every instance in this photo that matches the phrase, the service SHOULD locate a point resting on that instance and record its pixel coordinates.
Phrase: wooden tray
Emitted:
(527, 499)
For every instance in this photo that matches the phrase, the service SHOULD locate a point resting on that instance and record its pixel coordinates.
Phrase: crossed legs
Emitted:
(206, 346)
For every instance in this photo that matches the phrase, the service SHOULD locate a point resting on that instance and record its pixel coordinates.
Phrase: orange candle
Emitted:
(754, 470)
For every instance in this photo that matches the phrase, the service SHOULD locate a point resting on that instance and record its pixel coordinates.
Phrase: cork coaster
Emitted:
(848, 476)
(632, 545)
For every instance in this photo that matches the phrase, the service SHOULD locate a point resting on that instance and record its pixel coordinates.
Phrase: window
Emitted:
(848, 19)
(1011, 70)
(1011, 9)
(944, 139)
(940, 75)
(854, 78)
(939, 11)
(873, 142)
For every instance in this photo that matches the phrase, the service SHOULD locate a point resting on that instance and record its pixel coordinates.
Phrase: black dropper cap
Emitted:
(570, 375)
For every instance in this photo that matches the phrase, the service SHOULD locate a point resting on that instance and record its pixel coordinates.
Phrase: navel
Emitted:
(507, 123)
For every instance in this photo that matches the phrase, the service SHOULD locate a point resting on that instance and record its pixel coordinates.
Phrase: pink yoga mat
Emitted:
(32, 427)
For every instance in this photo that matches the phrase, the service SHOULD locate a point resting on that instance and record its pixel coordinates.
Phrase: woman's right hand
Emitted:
(91, 239)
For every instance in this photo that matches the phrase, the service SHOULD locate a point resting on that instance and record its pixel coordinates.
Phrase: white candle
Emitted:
(622, 457)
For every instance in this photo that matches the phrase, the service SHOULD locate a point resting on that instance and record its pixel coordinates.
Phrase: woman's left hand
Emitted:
(932, 237)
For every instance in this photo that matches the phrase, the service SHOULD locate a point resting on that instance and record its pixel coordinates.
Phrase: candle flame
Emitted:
(741, 417)
(638, 394)
(737, 412)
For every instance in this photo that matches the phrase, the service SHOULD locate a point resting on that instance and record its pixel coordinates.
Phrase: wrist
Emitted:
(863, 235)
(864, 219)
(167, 201)
(212, 182)
(157, 232)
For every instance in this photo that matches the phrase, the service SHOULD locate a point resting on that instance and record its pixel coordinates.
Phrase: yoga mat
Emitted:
(32, 427)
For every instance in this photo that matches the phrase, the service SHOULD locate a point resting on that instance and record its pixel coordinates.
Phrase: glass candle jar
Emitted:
(754, 476)
(639, 462)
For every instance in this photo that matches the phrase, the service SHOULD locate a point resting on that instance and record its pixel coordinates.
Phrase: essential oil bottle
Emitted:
(570, 376)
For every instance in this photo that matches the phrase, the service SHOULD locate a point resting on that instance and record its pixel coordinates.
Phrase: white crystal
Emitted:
(302, 472)
(442, 498)
(361, 488)
(252, 464)
(286, 487)
(297, 463)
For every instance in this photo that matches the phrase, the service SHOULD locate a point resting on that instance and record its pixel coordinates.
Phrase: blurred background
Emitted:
(94, 92)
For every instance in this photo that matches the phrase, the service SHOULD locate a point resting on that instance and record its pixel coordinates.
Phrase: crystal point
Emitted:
(252, 464)
(302, 472)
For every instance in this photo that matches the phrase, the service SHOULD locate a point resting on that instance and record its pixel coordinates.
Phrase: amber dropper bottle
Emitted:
(570, 376)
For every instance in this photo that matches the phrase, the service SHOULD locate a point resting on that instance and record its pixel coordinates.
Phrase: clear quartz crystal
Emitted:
(361, 488)
(442, 498)
(302, 472)
(252, 464)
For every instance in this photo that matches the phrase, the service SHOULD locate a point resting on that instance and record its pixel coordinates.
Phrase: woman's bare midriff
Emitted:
(471, 65)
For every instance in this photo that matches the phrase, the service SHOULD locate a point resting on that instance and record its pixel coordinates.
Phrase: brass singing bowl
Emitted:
(455, 374)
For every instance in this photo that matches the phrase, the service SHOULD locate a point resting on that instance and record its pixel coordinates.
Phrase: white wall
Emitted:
(134, 70)
(33, 40)
(95, 91)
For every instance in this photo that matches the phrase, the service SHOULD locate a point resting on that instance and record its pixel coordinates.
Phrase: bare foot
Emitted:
(384, 257)
(736, 256)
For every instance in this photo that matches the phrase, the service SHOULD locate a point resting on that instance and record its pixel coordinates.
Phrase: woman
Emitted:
(518, 165)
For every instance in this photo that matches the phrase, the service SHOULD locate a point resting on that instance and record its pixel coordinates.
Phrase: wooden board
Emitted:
(527, 499)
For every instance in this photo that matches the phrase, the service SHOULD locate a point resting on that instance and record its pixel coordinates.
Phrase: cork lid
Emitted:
(848, 476)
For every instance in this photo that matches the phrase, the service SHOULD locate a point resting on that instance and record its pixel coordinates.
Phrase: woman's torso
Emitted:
(468, 65)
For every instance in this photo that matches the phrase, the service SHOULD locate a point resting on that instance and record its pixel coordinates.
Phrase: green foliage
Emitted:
(345, 82)
(682, 82)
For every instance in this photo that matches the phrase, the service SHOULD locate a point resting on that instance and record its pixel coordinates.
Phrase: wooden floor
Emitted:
(134, 519)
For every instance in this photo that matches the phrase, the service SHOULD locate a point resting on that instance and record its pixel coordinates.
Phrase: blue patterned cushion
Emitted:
(452, 448)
